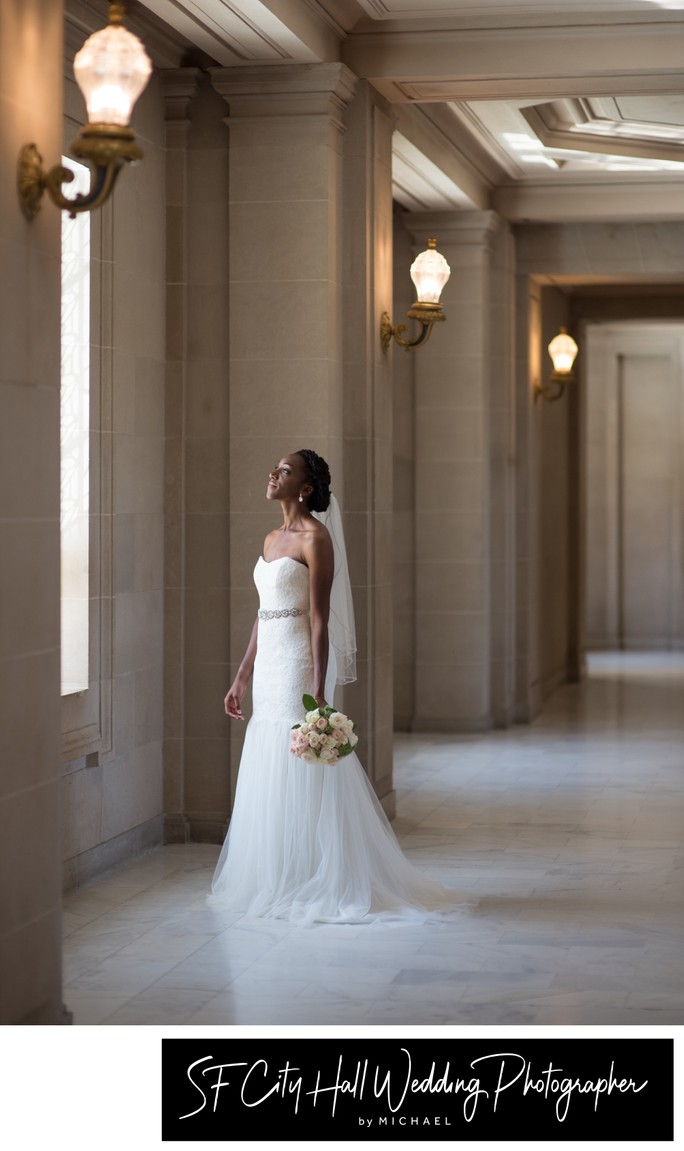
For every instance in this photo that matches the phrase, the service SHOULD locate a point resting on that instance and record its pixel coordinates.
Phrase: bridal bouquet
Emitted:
(325, 736)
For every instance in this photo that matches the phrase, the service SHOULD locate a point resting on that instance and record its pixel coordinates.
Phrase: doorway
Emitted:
(634, 486)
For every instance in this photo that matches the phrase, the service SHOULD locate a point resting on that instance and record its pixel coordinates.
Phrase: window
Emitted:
(75, 439)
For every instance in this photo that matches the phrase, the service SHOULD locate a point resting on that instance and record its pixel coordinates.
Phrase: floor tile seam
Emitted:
(146, 995)
(101, 935)
(129, 962)
(115, 906)
(182, 958)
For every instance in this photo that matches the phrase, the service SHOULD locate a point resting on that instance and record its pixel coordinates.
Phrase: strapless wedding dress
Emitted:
(307, 842)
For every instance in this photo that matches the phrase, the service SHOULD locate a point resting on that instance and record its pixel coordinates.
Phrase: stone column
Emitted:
(180, 86)
(529, 368)
(310, 269)
(30, 738)
(463, 486)
(502, 471)
(199, 620)
(368, 431)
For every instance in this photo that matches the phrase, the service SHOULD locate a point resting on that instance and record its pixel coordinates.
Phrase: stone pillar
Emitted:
(297, 242)
(404, 496)
(529, 368)
(458, 378)
(502, 472)
(198, 619)
(180, 86)
(31, 51)
(368, 432)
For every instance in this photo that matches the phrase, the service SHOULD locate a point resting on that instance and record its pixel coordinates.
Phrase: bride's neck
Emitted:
(294, 517)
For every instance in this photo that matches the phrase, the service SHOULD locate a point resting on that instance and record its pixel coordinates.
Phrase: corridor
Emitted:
(567, 835)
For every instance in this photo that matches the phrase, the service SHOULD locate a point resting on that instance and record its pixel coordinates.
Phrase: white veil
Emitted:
(341, 626)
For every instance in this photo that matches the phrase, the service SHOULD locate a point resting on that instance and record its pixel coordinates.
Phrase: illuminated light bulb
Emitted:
(563, 351)
(112, 69)
(430, 272)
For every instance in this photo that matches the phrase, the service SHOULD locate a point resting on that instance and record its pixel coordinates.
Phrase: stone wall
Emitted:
(30, 823)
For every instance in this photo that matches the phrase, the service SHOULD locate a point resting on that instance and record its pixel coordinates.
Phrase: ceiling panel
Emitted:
(233, 31)
(487, 10)
(521, 96)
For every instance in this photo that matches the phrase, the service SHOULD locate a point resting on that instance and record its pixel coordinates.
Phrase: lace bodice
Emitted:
(283, 669)
(282, 583)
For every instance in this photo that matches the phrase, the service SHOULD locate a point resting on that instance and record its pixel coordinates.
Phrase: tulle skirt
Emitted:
(310, 843)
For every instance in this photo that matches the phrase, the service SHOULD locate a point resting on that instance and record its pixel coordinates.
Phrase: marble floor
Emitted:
(568, 833)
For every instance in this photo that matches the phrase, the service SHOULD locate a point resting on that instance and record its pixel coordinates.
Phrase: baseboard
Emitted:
(442, 725)
(104, 857)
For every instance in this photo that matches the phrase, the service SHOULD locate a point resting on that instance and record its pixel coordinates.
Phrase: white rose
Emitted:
(309, 756)
(314, 739)
(353, 738)
(336, 719)
(312, 716)
(327, 754)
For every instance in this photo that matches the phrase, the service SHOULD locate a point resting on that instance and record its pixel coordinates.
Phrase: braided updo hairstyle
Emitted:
(318, 475)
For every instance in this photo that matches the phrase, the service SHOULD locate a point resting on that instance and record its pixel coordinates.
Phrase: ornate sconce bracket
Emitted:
(426, 314)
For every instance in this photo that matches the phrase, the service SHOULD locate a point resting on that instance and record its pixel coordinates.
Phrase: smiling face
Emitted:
(287, 480)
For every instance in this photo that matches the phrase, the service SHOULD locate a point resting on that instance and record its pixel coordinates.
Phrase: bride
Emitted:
(307, 842)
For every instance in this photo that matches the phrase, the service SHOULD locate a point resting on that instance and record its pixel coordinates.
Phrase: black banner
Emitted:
(618, 1090)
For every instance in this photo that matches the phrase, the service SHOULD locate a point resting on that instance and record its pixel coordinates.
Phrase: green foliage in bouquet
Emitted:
(325, 736)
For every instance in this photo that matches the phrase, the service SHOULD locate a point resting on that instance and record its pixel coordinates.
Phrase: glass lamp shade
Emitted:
(111, 69)
(430, 272)
(562, 351)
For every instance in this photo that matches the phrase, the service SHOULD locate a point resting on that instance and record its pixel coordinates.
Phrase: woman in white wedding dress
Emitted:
(307, 842)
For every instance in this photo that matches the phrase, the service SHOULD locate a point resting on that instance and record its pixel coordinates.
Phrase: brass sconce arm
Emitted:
(105, 148)
(426, 314)
(555, 387)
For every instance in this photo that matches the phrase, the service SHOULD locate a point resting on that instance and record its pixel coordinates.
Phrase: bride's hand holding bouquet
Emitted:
(325, 736)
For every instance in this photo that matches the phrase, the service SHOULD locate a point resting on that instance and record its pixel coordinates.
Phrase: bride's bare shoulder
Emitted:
(317, 543)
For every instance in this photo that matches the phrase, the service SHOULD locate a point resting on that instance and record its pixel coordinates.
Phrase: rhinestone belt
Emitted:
(280, 612)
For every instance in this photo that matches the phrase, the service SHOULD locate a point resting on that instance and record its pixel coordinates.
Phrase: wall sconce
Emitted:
(429, 272)
(562, 351)
(111, 69)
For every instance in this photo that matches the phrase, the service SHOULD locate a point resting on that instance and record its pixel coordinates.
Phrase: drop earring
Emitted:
(301, 498)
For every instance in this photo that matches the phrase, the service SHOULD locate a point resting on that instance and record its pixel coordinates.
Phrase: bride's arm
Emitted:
(236, 692)
(320, 560)
(232, 704)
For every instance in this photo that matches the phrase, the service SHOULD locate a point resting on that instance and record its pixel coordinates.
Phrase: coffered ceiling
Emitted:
(542, 110)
